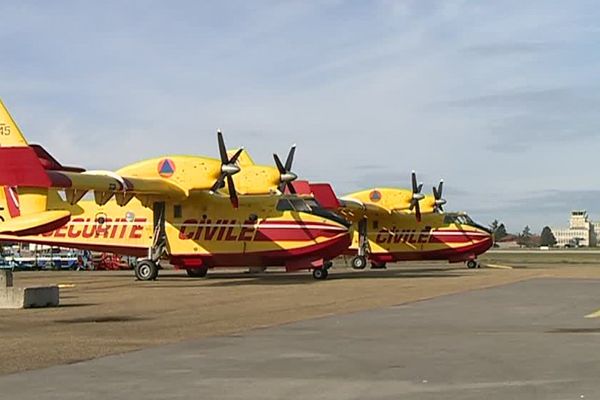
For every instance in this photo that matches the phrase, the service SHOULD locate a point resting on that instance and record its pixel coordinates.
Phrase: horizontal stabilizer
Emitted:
(36, 223)
(49, 162)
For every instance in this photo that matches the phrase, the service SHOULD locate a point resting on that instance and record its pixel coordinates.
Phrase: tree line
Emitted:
(526, 238)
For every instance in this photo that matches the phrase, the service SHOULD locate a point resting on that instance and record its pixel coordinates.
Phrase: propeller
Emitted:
(439, 200)
(228, 169)
(416, 196)
(287, 176)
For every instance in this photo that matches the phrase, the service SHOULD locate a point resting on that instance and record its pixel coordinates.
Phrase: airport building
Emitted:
(581, 232)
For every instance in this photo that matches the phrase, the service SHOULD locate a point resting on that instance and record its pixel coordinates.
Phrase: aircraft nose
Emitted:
(488, 242)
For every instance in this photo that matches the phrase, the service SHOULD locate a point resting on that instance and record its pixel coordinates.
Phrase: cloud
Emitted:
(509, 49)
(498, 98)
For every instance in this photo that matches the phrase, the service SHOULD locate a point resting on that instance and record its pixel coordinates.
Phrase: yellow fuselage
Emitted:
(394, 234)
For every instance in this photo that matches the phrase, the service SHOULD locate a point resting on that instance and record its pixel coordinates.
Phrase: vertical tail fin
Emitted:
(10, 134)
(23, 212)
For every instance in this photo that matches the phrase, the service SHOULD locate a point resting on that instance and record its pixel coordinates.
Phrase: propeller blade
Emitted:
(232, 193)
(290, 158)
(235, 157)
(419, 188)
(418, 211)
(291, 188)
(279, 165)
(414, 182)
(228, 169)
(437, 194)
(222, 148)
(285, 171)
(218, 183)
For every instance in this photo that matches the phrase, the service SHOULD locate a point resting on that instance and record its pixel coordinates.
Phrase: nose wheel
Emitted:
(320, 274)
(323, 272)
(472, 264)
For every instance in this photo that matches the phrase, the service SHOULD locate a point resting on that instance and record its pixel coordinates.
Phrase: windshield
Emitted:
(463, 219)
(309, 206)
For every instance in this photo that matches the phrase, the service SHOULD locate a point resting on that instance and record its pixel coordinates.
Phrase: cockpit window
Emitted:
(461, 219)
(293, 205)
(310, 206)
(284, 205)
(300, 205)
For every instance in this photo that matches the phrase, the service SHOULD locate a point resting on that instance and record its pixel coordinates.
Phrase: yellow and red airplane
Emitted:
(196, 212)
(390, 224)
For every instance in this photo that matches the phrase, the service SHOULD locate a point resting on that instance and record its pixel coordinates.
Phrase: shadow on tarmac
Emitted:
(224, 279)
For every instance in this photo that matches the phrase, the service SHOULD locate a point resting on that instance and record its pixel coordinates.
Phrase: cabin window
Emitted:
(284, 205)
(177, 211)
(300, 205)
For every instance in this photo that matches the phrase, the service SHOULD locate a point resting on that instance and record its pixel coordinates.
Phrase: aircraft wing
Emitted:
(106, 184)
(355, 209)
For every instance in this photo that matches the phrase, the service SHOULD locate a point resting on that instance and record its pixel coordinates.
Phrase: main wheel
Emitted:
(320, 273)
(197, 272)
(146, 270)
(359, 262)
(471, 264)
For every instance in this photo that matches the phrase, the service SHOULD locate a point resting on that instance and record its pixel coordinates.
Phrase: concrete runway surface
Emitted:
(527, 340)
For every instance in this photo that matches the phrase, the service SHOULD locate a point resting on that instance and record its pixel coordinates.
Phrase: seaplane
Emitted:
(395, 224)
(193, 212)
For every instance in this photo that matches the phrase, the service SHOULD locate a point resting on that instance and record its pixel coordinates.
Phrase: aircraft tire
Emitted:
(146, 270)
(197, 272)
(359, 262)
(320, 273)
(471, 264)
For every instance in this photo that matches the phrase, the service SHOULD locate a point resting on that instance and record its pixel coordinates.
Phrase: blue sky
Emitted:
(500, 98)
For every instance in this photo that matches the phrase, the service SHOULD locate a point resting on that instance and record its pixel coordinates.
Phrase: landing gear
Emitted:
(320, 273)
(197, 272)
(378, 265)
(359, 262)
(472, 264)
(146, 270)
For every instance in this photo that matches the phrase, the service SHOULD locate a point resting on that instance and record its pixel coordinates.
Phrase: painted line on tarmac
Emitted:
(65, 285)
(497, 266)
(593, 315)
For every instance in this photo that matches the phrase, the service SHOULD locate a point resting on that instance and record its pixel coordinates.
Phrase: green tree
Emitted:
(498, 230)
(524, 238)
(547, 237)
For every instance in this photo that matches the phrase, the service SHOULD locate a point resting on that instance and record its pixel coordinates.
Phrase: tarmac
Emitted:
(525, 340)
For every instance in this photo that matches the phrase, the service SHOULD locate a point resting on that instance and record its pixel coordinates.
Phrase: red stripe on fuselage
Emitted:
(12, 201)
(452, 254)
(456, 236)
(266, 231)
(328, 249)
